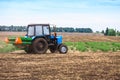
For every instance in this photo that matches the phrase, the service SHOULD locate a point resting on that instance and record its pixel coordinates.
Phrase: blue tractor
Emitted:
(39, 39)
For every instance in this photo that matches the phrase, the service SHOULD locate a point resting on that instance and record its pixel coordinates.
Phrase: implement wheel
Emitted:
(40, 45)
(28, 49)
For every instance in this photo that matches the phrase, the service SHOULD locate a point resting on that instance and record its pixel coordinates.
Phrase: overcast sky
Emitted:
(95, 14)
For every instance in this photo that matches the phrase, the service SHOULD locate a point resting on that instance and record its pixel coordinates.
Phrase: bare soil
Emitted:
(71, 66)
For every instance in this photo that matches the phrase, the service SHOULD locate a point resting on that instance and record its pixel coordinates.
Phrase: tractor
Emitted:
(39, 39)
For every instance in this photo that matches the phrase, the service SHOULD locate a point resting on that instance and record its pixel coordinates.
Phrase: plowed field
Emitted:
(71, 66)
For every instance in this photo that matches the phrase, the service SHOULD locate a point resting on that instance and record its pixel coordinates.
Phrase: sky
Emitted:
(95, 14)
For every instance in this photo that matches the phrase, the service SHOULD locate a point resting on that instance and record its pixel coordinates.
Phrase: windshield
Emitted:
(38, 30)
(30, 30)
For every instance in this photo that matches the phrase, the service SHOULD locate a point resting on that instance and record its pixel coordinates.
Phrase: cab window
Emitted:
(38, 30)
(30, 30)
(46, 30)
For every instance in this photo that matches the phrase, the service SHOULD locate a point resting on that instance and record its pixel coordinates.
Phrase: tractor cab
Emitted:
(38, 30)
(43, 31)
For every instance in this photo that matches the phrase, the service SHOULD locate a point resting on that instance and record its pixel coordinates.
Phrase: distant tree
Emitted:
(106, 32)
(102, 32)
(118, 33)
(111, 32)
(0, 28)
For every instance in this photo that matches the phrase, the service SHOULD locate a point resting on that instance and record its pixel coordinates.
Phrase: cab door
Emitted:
(46, 30)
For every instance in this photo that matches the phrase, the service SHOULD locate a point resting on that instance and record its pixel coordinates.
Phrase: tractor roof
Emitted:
(38, 24)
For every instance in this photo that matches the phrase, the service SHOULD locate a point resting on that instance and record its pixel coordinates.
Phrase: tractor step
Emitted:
(51, 44)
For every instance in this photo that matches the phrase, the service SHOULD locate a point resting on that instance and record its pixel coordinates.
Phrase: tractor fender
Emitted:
(36, 37)
(59, 45)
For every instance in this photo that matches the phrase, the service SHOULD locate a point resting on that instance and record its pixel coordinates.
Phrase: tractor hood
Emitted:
(18, 40)
(59, 39)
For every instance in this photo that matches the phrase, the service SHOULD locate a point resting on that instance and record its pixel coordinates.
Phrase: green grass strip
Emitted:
(94, 46)
(5, 48)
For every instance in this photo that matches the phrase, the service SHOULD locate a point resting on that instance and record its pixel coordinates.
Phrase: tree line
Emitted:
(70, 29)
(13, 28)
(107, 32)
(111, 32)
(58, 29)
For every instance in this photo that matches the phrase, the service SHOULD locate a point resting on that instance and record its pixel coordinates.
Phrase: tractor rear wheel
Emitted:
(40, 45)
(63, 49)
(28, 49)
(52, 49)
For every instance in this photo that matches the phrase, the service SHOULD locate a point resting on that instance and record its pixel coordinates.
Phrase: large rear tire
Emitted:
(63, 49)
(40, 45)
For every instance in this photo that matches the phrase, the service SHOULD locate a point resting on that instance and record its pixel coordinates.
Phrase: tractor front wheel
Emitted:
(63, 49)
(40, 45)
